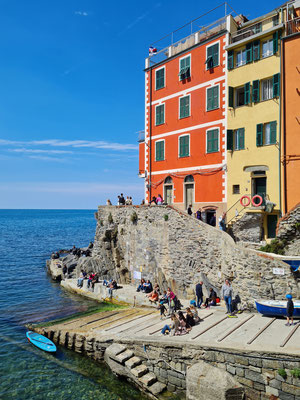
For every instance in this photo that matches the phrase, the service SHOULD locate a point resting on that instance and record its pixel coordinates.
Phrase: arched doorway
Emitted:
(168, 190)
(209, 215)
(189, 191)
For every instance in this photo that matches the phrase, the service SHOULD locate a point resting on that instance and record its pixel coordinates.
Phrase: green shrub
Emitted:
(166, 217)
(295, 372)
(282, 373)
(134, 217)
(276, 246)
(110, 218)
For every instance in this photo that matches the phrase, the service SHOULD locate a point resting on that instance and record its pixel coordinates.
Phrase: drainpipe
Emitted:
(284, 131)
(150, 133)
(279, 156)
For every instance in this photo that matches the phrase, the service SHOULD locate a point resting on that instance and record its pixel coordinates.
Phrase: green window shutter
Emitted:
(184, 107)
(215, 97)
(248, 53)
(185, 64)
(230, 96)
(255, 91)
(184, 146)
(241, 136)
(160, 115)
(230, 59)
(209, 99)
(256, 50)
(276, 85)
(275, 42)
(160, 79)
(229, 139)
(215, 49)
(247, 93)
(212, 141)
(273, 128)
(259, 135)
(160, 151)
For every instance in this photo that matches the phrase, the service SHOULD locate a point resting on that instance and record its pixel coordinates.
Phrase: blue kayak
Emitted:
(41, 341)
(276, 308)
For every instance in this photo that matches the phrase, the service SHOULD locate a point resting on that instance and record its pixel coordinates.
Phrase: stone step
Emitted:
(116, 349)
(157, 388)
(140, 370)
(148, 379)
(133, 362)
(124, 356)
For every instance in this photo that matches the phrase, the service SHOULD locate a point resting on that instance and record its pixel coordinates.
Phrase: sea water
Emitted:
(27, 295)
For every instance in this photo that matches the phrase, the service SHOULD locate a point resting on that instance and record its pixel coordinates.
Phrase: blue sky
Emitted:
(72, 95)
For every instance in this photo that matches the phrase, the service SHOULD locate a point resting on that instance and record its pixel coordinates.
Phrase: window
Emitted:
(159, 78)
(235, 189)
(240, 58)
(240, 96)
(267, 48)
(257, 28)
(160, 114)
(212, 141)
(275, 20)
(212, 56)
(184, 146)
(266, 133)
(159, 150)
(184, 107)
(184, 68)
(239, 139)
(267, 89)
(236, 139)
(212, 98)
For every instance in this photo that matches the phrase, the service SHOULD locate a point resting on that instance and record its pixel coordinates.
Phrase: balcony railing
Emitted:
(253, 29)
(293, 26)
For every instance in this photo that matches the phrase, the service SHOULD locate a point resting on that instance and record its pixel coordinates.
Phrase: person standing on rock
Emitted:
(189, 210)
(199, 294)
(227, 295)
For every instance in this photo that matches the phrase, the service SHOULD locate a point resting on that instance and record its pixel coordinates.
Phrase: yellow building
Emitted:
(253, 122)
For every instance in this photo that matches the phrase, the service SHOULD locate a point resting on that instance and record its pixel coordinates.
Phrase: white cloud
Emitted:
(40, 151)
(45, 158)
(81, 13)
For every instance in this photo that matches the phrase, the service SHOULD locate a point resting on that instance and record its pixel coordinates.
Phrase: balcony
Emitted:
(293, 26)
(254, 29)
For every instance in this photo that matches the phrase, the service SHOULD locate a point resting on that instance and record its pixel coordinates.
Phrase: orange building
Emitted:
(290, 139)
(183, 155)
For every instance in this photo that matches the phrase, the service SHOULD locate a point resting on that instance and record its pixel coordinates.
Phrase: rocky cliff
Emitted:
(288, 230)
(169, 247)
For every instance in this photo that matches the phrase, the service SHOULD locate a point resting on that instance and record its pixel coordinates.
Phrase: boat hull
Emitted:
(41, 342)
(276, 309)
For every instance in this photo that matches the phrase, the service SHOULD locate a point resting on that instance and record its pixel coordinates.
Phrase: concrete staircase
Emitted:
(123, 362)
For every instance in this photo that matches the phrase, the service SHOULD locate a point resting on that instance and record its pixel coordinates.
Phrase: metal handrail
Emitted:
(250, 30)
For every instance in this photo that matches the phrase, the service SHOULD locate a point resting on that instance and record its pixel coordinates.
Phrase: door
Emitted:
(168, 195)
(189, 194)
(260, 188)
(272, 223)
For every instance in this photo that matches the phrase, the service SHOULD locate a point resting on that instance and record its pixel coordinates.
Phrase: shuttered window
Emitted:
(185, 68)
(267, 48)
(256, 50)
(160, 114)
(249, 53)
(259, 135)
(276, 85)
(255, 91)
(212, 141)
(212, 100)
(267, 89)
(160, 150)
(159, 78)
(229, 139)
(184, 107)
(239, 140)
(247, 93)
(184, 146)
(212, 56)
(230, 59)
(230, 96)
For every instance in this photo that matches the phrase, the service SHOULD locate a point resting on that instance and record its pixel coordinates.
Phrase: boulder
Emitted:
(205, 382)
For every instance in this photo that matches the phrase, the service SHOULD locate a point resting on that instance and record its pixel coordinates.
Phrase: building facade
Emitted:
(253, 121)
(290, 141)
(183, 154)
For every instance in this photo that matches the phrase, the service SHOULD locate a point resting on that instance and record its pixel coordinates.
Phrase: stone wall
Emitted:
(288, 229)
(248, 228)
(174, 249)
